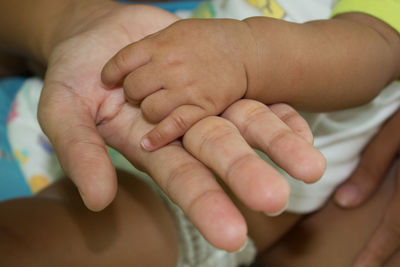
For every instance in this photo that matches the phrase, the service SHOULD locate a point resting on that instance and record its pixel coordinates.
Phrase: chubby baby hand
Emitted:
(190, 70)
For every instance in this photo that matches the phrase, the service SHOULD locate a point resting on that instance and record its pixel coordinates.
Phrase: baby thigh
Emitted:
(56, 229)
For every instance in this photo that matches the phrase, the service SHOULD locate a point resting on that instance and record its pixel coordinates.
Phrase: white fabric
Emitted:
(295, 11)
(341, 137)
(30, 146)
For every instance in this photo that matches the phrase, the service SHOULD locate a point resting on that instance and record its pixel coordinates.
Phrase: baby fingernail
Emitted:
(146, 144)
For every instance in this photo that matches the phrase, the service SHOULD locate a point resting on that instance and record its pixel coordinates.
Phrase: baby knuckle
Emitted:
(210, 104)
(158, 136)
(189, 83)
(150, 111)
(122, 59)
(130, 91)
(180, 122)
(153, 110)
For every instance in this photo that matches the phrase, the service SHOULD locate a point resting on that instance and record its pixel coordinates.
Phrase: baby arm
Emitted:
(322, 65)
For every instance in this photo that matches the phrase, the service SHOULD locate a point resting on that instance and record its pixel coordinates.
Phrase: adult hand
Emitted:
(79, 115)
(74, 101)
(376, 159)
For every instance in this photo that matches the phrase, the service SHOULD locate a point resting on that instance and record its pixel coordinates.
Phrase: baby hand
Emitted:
(190, 70)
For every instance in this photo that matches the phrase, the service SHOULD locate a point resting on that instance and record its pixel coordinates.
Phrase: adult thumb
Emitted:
(82, 153)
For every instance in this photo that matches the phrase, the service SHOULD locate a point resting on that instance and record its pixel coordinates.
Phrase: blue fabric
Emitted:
(12, 183)
(172, 6)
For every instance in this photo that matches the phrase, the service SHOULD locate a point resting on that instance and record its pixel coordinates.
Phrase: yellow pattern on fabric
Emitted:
(385, 10)
(269, 8)
(22, 156)
(37, 182)
(204, 11)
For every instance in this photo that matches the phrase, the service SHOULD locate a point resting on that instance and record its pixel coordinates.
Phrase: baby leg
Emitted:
(54, 228)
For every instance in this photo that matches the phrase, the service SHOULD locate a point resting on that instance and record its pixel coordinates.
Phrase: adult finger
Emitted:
(187, 182)
(80, 149)
(194, 188)
(293, 119)
(263, 130)
(218, 144)
(125, 61)
(375, 161)
(386, 239)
